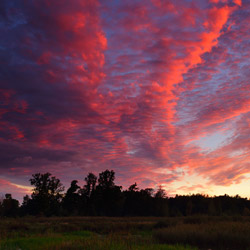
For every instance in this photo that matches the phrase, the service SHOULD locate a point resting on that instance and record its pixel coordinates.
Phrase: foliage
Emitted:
(102, 197)
(90, 184)
(72, 200)
(46, 196)
(9, 207)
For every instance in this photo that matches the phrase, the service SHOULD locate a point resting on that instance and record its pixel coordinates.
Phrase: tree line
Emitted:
(100, 196)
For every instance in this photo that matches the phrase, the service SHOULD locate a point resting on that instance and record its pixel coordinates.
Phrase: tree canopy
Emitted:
(102, 197)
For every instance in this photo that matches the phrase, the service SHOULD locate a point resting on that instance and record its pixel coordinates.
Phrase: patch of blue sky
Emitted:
(214, 141)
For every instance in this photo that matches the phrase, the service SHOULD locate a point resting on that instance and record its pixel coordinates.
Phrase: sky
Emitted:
(156, 90)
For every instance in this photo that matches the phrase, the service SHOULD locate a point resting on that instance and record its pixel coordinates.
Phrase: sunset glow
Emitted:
(157, 90)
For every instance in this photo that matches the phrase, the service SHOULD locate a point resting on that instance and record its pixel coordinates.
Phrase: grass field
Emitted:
(183, 233)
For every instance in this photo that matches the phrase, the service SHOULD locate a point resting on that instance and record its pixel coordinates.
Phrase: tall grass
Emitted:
(220, 235)
(87, 241)
(125, 233)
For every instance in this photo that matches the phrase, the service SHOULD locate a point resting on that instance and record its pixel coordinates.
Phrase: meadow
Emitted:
(169, 233)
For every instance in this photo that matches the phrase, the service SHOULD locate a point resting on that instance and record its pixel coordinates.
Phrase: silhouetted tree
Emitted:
(138, 202)
(133, 188)
(87, 197)
(160, 193)
(131, 207)
(26, 206)
(73, 188)
(71, 201)
(106, 179)
(108, 197)
(90, 184)
(160, 203)
(46, 194)
(1, 203)
(10, 206)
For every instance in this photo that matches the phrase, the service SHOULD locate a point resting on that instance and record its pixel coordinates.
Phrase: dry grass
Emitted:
(213, 235)
(125, 233)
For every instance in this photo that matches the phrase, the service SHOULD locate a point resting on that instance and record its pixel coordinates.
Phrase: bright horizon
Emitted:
(156, 90)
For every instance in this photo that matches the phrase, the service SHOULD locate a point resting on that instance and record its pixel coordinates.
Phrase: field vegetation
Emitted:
(178, 233)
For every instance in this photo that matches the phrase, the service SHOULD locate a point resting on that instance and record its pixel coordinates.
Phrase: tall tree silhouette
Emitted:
(71, 200)
(90, 184)
(87, 197)
(108, 197)
(131, 205)
(160, 193)
(106, 179)
(46, 194)
(160, 202)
